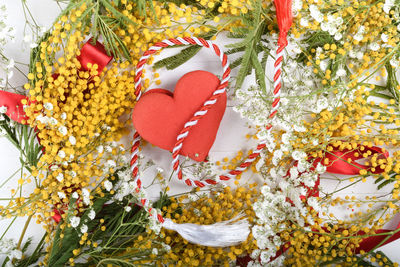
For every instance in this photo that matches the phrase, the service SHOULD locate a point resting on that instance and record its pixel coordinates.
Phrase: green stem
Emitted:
(24, 231)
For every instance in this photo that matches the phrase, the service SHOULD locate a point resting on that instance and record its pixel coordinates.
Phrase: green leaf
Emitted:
(245, 66)
(235, 50)
(236, 63)
(183, 56)
(175, 61)
(260, 73)
(385, 183)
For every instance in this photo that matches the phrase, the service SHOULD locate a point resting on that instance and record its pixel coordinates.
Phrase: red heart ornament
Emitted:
(160, 115)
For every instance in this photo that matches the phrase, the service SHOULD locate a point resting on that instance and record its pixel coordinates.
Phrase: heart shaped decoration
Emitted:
(160, 115)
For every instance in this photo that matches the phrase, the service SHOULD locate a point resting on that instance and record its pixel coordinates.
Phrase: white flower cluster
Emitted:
(8, 249)
(3, 110)
(127, 188)
(388, 5)
(6, 33)
(332, 26)
(316, 14)
(298, 98)
(52, 122)
(273, 208)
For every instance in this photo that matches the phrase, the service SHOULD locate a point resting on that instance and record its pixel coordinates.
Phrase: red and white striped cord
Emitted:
(200, 113)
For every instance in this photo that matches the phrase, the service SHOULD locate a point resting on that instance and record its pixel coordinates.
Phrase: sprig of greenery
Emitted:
(122, 229)
(24, 138)
(252, 32)
(183, 56)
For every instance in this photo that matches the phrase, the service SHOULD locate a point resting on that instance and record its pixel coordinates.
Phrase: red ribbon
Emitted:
(338, 160)
(15, 109)
(94, 54)
(284, 18)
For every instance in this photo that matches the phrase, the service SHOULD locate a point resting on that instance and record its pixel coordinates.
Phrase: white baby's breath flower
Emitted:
(60, 177)
(74, 221)
(53, 121)
(108, 185)
(320, 168)
(297, 5)
(54, 168)
(63, 116)
(359, 55)
(63, 130)
(374, 46)
(84, 228)
(341, 72)
(48, 106)
(92, 214)
(61, 195)
(61, 154)
(384, 37)
(111, 164)
(324, 65)
(304, 22)
(338, 36)
(360, 34)
(3, 109)
(100, 149)
(127, 208)
(286, 137)
(387, 6)
(72, 140)
(86, 196)
(316, 14)
(298, 155)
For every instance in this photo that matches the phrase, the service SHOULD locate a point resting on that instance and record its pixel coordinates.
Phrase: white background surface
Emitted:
(230, 138)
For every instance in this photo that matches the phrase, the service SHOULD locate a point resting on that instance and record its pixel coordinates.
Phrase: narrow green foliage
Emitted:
(122, 226)
(24, 138)
(250, 45)
(392, 83)
(183, 56)
(175, 61)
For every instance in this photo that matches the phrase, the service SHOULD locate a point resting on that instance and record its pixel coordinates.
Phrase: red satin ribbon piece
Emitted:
(338, 163)
(15, 109)
(94, 54)
(284, 18)
(369, 243)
